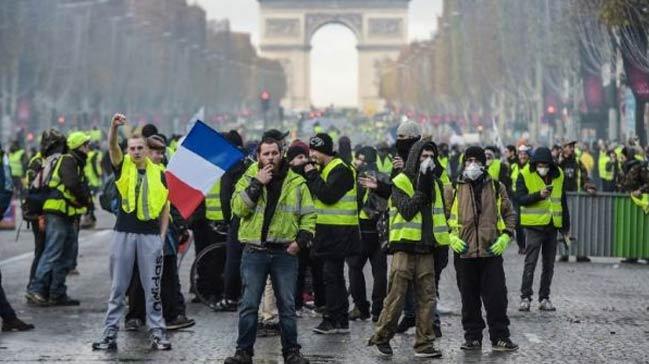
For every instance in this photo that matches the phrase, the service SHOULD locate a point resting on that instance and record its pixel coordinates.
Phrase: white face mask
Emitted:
(543, 171)
(473, 171)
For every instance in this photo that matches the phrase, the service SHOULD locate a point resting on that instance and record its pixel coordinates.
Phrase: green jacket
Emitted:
(295, 210)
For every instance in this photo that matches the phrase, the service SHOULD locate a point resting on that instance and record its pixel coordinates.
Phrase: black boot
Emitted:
(15, 324)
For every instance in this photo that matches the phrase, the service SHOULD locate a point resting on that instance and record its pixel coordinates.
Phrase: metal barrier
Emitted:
(608, 225)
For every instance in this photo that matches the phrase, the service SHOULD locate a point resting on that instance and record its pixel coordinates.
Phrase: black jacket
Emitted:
(333, 240)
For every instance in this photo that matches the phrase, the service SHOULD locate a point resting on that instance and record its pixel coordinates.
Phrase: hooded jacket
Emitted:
(477, 212)
(420, 202)
(636, 176)
(524, 198)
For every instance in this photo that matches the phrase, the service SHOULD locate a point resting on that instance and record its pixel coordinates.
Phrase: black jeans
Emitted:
(482, 281)
(210, 271)
(333, 270)
(441, 261)
(173, 301)
(232, 273)
(6, 312)
(370, 250)
(542, 240)
(313, 266)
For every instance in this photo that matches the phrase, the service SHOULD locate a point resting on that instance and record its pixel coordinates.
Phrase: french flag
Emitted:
(199, 162)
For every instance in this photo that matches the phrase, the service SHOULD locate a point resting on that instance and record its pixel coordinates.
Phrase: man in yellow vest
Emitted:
(277, 220)
(478, 250)
(18, 161)
(417, 226)
(522, 163)
(607, 168)
(68, 199)
(497, 170)
(337, 233)
(540, 191)
(139, 232)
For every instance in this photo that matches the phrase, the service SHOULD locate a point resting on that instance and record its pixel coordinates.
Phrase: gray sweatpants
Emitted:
(147, 249)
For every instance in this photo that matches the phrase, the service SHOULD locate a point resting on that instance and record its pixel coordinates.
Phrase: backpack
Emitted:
(39, 191)
(109, 198)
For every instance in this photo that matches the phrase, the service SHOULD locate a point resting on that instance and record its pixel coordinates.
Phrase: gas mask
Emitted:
(473, 171)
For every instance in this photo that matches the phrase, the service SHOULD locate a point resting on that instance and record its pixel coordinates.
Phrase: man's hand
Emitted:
(293, 248)
(397, 163)
(636, 193)
(368, 182)
(500, 245)
(458, 245)
(308, 168)
(118, 120)
(265, 174)
(545, 193)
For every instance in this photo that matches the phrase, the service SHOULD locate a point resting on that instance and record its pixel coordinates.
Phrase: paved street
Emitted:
(603, 316)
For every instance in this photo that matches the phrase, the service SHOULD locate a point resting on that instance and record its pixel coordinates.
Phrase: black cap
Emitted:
(274, 134)
(322, 143)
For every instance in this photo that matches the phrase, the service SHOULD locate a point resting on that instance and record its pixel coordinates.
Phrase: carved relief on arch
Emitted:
(282, 27)
(314, 21)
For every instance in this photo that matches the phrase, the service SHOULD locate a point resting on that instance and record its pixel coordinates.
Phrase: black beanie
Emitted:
(234, 137)
(149, 130)
(322, 143)
(477, 153)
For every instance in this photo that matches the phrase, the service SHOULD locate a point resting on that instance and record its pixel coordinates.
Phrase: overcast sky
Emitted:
(334, 69)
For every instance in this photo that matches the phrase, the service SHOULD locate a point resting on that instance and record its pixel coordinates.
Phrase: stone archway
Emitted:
(287, 26)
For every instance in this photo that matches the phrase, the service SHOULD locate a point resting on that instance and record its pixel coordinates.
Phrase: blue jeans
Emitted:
(256, 265)
(61, 239)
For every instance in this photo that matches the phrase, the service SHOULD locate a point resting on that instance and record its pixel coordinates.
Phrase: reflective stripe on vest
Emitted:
(16, 163)
(61, 200)
(213, 209)
(548, 210)
(345, 211)
(642, 202)
(152, 195)
(402, 230)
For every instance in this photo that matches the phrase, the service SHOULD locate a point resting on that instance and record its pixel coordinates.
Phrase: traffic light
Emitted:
(265, 101)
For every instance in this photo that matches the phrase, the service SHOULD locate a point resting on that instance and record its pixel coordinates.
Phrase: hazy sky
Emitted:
(333, 68)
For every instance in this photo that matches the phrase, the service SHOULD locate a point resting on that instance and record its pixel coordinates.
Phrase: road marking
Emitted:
(533, 338)
(82, 241)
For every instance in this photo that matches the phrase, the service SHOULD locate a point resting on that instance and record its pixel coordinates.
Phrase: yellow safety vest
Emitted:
(642, 202)
(384, 165)
(152, 194)
(604, 159)
(213, 209)
(494, 170)
(345, 211)
(516, 170)
(402, 230)
(454, 220)
(90, 169)
(545, 211)
(16, 163)
(61, 200)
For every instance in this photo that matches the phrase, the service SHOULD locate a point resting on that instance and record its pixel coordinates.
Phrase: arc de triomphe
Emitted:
(287, 26)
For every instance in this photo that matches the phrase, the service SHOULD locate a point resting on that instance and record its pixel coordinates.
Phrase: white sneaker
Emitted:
(525, 305)
(546, 305)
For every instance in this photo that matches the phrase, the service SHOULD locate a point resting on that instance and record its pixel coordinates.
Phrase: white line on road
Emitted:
(82, 241)
(533, 338)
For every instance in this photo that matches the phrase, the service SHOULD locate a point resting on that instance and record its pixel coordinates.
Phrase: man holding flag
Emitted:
(140, 229)
(277, 221)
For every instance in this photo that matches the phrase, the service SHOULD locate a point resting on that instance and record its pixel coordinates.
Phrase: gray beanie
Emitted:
(409, 129)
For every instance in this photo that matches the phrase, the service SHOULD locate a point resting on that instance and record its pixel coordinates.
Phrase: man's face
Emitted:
(85, 148)
(136, 148)
(426, 154)
(569, 150)
(555, 153)
(359, 161)
(156, 156)
(300, 160)
(523, 157)
(490, 157)
(508, 154)
(269, 154)
(471, 161)
(316, 157)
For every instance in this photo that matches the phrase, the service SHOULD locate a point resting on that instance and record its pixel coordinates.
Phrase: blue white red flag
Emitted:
(199, 162)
